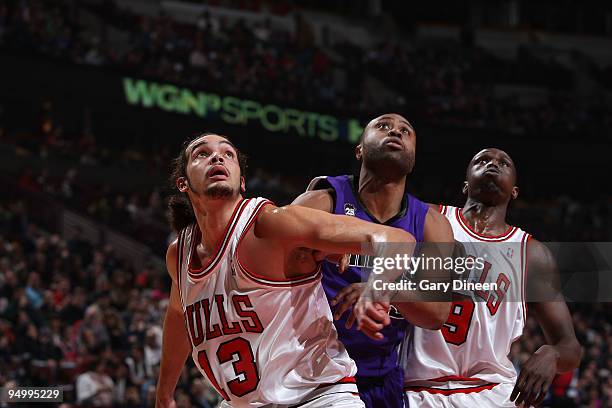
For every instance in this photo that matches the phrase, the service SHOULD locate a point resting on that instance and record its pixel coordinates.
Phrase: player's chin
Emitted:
(219, 190)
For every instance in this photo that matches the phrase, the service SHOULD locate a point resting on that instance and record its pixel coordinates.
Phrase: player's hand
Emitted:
(346, 298)
(341, 260)
(536, 376)
(372, 317)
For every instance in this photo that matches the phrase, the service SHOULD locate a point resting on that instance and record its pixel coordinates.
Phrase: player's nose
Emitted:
(216, 157)
(394, 132)
(494, 163)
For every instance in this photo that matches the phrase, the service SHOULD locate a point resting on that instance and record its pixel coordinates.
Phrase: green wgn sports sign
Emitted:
(237, 111)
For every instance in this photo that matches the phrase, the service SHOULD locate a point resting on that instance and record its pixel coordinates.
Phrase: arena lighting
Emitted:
(238, 111)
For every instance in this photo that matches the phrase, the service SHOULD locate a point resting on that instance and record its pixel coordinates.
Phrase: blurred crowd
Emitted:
(456, 86)
(445, 83)
(79, 316)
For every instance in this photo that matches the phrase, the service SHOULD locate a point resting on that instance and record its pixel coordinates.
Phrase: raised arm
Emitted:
(562, 351)
(175, 344)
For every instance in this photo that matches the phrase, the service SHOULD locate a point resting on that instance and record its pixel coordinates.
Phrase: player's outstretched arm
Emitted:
(295, 226)
(562, 352)
(175, 343)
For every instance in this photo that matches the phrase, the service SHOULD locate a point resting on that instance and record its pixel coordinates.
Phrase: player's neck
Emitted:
(485, 219)
(213, 216)
(382, 198)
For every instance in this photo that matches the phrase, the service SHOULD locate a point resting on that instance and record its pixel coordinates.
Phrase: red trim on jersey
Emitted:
(263, 280)
(213, 261)
(454, 378)
(465, 390)
(288, 284)
(524, 243)
(345, 380)
(481, 237)
(442, 209)
(179, 263)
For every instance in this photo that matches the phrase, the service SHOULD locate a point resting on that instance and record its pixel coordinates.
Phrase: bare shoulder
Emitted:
(318, 199)
(539, 257)
(435, 207)
(269, 218)
(437, 228)
(171, 259)
(273, 219)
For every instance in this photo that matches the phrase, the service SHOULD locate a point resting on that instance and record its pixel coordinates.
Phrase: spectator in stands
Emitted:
(94, 388)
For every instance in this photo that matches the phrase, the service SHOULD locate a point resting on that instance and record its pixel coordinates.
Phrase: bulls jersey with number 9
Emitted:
(470, 352)
(258, 341)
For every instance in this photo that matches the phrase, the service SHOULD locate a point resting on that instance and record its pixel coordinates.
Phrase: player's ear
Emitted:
(242, 184)
(182, 184)
(515, 192)
(358, 151)
(464, 190)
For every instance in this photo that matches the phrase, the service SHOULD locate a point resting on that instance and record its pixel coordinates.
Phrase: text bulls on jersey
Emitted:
(207, 319)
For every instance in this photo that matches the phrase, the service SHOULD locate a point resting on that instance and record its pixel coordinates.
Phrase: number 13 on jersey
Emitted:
(239, 352)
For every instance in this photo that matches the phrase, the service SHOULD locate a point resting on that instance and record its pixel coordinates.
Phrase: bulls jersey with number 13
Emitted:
(258, 341)
(470, 352)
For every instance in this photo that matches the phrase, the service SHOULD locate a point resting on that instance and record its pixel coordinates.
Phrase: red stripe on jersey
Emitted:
(345, 380)
(213, 261)
(454, 378)
(524, 265)
(466, 390)
(481, 237)
(179, 264)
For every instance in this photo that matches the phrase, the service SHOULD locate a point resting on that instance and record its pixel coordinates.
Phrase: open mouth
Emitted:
(217, 171)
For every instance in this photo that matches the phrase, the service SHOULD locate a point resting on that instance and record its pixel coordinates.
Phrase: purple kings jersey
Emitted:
(373, 358)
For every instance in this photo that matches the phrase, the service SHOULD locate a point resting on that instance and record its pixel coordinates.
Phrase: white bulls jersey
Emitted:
(470, 353)
(258, 341)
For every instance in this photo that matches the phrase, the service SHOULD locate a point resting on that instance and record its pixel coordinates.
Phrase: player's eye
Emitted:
(404, 131)
(504, 163)
(229, 154)
(201, 153)
(383, 125)
(482, 161)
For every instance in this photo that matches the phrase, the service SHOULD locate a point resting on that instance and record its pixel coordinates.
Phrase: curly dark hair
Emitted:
(180, 211)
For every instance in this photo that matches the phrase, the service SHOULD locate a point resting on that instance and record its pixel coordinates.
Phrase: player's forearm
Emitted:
(296, 226)
(567, 352)
(428, 315)
(175, 350)
(362, 238)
